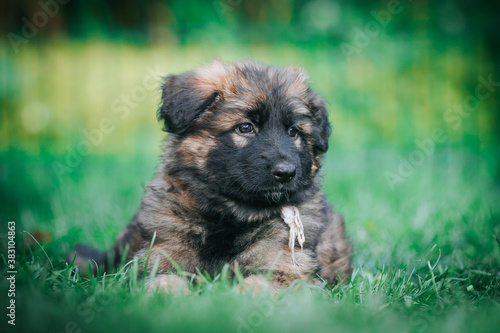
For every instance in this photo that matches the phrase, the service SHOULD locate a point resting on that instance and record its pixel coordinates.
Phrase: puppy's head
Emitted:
(254, 133)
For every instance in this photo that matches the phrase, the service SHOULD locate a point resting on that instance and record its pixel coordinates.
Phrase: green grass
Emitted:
(426, 258)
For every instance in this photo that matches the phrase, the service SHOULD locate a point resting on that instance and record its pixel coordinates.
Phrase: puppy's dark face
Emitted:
(253, 132)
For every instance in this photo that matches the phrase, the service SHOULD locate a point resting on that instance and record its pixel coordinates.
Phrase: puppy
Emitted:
(238, 181)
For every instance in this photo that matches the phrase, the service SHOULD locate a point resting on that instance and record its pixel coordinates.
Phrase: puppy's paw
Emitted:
(257, 284)
(168, 283)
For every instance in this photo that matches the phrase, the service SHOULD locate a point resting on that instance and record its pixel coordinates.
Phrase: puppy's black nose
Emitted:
(283, 172)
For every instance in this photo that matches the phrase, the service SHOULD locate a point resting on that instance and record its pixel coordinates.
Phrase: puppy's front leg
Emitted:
(256, 284)
(168, 282)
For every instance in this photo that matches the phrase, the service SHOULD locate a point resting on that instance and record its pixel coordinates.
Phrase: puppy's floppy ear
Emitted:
(182, 101)
(321, 123)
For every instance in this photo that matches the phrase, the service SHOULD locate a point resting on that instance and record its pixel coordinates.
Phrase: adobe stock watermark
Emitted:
(255, 318)
(31, 27)
(11, 273)
(420, 321)
(87, 312)
(454, 116)
(222, 7)
(362, 37)
(120, 110)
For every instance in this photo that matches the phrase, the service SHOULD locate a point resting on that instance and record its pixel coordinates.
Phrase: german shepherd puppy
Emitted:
(238, 180)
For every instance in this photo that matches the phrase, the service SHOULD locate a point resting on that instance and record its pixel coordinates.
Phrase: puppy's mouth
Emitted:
(275, 197)
(264, 195)
(276, 194)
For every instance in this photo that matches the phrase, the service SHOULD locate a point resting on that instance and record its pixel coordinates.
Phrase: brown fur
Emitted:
(175, 206)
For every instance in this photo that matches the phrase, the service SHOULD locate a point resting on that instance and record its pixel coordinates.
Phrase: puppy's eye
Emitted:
(293, 131)
(245, 128)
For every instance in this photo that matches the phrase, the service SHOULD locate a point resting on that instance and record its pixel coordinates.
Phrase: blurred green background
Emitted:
(392, 72)
(412, 87)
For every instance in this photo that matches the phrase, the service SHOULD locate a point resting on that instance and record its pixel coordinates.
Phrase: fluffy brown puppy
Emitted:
(238, 181)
